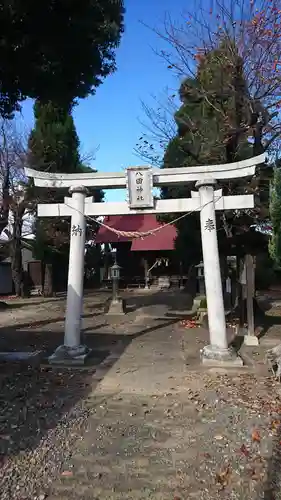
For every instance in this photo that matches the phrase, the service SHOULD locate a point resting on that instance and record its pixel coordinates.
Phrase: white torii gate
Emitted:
(139, 182)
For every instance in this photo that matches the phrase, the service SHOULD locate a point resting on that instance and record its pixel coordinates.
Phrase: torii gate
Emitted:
(139, 182)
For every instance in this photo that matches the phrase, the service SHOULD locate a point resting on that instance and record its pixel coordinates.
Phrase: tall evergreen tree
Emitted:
(213, 109)
(275, 217)
(54, 147)
(54, 143)
(210, 131)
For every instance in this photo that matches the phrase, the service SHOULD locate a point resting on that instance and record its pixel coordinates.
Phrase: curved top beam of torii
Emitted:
(167, 176)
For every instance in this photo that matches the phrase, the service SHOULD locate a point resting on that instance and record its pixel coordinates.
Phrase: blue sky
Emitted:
(109, 120)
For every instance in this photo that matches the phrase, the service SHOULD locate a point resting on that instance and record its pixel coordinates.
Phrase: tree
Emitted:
(248, 30)
(14, 202)
(54, 143)
(58, 51)
(12, 161)
(229, 97)
(251, 35)
(54, 146)
(275, 217)
(204, 138)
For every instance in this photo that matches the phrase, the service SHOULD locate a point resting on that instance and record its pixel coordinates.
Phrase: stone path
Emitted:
(162, 432)
(144, 422)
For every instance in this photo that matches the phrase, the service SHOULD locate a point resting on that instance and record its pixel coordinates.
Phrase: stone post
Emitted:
(250, 338)
(146, 274)
(72, 351)
(217, 352)
(115, 289)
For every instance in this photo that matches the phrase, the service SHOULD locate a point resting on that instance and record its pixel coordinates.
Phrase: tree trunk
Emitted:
(4, 209)
(16, 255)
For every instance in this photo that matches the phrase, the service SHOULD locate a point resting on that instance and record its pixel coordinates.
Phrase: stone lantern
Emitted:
(115, 276)
(117, 304)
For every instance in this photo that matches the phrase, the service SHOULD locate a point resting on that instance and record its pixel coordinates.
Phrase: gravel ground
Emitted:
(216, 436)
(208, 444)
(59, 441)
(42, 413)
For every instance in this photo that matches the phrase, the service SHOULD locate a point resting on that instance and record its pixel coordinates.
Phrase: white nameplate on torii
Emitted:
(140, 187)
(180, 205)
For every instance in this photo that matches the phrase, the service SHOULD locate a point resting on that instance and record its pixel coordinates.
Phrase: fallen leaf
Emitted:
(244, 450)
(254, 474)
(223, 476)
(67, 473)
(275, 424)
(256, 436)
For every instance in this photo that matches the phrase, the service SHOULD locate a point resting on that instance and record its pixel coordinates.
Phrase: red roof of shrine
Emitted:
(161, 240)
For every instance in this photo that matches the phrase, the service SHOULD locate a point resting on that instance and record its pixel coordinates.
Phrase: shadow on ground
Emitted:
(38, 323)
(267, 323)
(34, 400)
(173, 300)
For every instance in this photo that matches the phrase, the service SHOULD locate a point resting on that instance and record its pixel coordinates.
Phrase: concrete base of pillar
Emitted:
(116, 308)
(71, 356)
(214, 356)
(251, 340)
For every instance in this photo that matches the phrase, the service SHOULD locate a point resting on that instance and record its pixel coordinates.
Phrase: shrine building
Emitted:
(134, 255)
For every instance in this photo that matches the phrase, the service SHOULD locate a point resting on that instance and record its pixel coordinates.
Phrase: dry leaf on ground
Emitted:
(256, 436)
(222, 477)
(244, 450)
(67, 473)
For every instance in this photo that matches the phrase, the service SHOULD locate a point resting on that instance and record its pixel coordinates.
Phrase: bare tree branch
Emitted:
(250, 31)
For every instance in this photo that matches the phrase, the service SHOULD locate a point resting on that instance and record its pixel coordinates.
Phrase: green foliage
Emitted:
(54, 147)
(56, 50)
(275, 216)
(212, 108)
(211, 130)
(53, 143)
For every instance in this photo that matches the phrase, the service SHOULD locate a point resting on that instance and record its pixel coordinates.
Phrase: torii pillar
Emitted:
(72, 351)
(217, 351)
